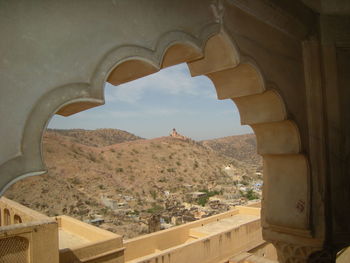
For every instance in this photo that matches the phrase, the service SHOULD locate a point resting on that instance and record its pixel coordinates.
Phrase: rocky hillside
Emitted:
(239, 147)
(89, 172)
(96, 138)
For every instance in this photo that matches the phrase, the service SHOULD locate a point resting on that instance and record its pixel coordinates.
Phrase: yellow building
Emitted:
(28, 236)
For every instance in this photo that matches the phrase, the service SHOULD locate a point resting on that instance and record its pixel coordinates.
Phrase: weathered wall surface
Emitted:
(335, 39)
(278, 55)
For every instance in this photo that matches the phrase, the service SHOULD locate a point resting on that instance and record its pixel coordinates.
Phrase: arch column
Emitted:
(286, 205)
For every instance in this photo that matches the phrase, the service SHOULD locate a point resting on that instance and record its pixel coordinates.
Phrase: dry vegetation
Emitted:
(239, 147)
(87, 167)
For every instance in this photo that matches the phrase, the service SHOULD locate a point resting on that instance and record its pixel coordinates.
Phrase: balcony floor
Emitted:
(68, 239)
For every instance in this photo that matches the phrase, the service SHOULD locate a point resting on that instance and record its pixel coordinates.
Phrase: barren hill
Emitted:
(96, 138)
(239, 147)
(89, 172)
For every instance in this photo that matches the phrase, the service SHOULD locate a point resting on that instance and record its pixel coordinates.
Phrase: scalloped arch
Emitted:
(75, 97)
(215, 55)
(30, 162)
(278, 139)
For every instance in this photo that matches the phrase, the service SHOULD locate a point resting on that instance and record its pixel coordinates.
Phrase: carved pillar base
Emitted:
(292, 253)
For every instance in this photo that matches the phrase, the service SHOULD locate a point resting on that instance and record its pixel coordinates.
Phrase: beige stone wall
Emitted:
(84, 243)
(143, 245)
(32, 242)
(209, 249)
(177, 243)
(14, 213)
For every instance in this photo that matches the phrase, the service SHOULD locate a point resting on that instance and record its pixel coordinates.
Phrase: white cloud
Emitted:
(173, 81)
(112, 114)
(143, 113)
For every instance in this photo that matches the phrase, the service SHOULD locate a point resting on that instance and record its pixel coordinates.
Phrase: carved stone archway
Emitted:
(84, 44)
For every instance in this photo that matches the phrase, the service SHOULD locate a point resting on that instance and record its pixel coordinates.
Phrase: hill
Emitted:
(238, 147)
(118, 176)
(96, 138)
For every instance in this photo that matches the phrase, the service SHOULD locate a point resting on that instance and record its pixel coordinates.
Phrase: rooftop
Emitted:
(214, 239)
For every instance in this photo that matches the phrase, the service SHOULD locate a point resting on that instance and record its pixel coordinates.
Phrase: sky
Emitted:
(152, 106)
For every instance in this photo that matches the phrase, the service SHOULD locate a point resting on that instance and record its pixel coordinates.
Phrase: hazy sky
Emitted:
(151, 106)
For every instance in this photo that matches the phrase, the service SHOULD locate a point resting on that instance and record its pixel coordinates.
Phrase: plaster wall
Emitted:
(278, 56)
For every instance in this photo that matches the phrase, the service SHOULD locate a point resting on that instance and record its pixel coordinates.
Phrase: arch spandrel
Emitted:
(220, 53)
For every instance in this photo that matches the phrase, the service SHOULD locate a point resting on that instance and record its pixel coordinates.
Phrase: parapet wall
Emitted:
(190, 243)
(32, 242)
(13, 213)
(38, 238)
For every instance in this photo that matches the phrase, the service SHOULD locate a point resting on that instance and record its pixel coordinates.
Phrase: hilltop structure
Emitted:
(177, 135)
(285, 64)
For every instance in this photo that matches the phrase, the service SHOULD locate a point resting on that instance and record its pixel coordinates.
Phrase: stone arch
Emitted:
(213, 54)
(71, 98)
(278, 140)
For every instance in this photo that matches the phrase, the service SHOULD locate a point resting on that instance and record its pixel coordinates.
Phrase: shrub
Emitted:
(162, 180)
(251, 195)
(76, 180)
(50, 150)
(119, 170)
(203, 200)
(245, 183)
(210, 193)
(132, 178)
(91, 157)
(153, 194)
(155, 209)
(135, 151)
